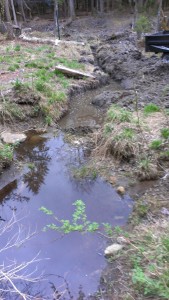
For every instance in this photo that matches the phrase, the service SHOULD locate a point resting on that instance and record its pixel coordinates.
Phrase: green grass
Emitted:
(14, 67)
(40, 86)
(165, 133)
(151, 108)
(56, 97)
(18, 85)
(117, 114)
(156, 144)
(62, 80)
(72, 64)
(6, 152)
(17, 48)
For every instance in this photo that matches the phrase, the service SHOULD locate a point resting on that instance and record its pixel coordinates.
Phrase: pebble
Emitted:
(121, 190)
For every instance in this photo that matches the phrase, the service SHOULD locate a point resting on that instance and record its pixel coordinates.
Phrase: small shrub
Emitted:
(165, 133)
(151, 108)
(142, 24)
(79, 220)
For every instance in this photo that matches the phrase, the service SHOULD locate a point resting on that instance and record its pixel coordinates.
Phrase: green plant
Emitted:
(164, 155)
(79, 220)
(48, 120)
(17, 85)
(156, 144)
(165, 133)
(144, 163)
(31, 166)
(6, 152)
(73, 64)
(40, 86)
(56, 97)
(127, 133)
(62, 80)
(117, 114)
(108, 128)
(17, 48)
(108, 229)
(151, 108)
(13, 67)
(84, 172)
(142, 24)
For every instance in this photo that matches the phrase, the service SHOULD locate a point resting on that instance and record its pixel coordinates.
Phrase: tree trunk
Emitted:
(14, 13)
(72, 9)
(7, 11)
(22, 10)
(101, 6)
(160, 5)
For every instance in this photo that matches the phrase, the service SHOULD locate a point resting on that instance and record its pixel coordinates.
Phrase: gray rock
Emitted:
(12, 138)
(113, 249)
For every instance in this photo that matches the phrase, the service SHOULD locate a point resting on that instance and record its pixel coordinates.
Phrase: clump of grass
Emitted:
(48, 120)
(108, 128)
(151, 108)
(17, 48)
(40, 86)
(165, 133)
(44, 75)
(13, 68)
(56, 97)
(117, 114)
(156, 144)
(147, 170)
(18, 85)
(85, 172)
(164, 155)
(6, 152)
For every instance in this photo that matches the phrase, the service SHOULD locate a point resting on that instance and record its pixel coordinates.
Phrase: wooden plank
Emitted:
(73, 73)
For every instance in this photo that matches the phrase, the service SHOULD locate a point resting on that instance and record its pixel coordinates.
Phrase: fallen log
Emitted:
(52, 41)
(73, 73)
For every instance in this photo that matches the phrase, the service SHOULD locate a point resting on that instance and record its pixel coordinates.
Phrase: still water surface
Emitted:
(75, 260)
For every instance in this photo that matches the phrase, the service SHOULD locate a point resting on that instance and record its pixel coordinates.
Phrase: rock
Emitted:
(12, 138)
(113, 249)
(121, 190)
(121, 240)
(112, 180)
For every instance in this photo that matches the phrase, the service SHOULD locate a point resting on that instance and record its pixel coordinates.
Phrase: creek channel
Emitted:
(71, 263)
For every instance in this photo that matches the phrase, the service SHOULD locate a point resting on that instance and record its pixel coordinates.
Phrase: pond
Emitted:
(72, 263)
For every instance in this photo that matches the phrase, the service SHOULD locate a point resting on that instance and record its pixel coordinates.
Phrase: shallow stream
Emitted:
(72, 263)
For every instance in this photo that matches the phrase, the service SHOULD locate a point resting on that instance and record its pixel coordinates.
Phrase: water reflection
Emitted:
(76, 261)
(35, 151)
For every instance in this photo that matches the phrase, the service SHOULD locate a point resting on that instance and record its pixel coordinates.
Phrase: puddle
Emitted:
(76, 260)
